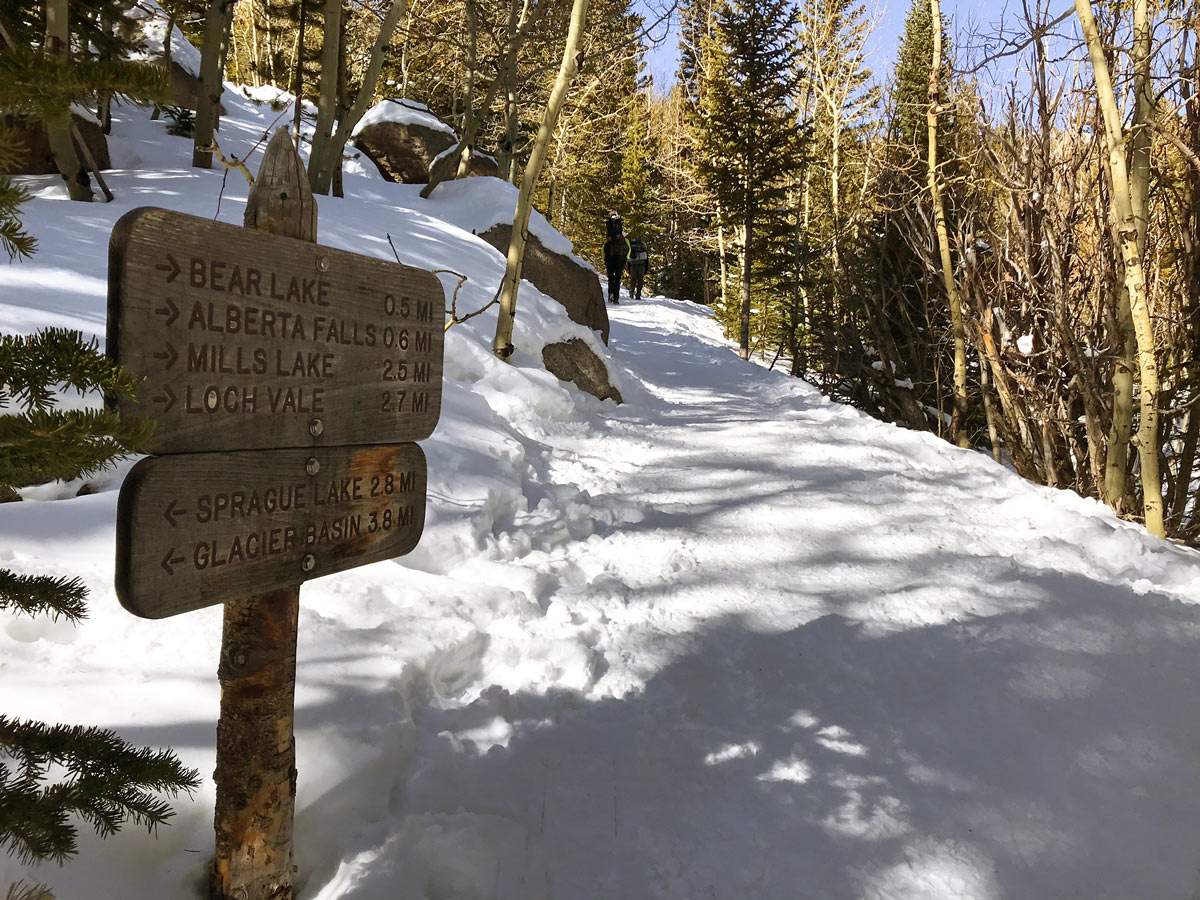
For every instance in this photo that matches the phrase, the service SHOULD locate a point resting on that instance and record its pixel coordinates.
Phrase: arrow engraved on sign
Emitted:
(171, 311)
(172, 267)
(170, 355)
(168, 397)
(171, 560)
(172, 511)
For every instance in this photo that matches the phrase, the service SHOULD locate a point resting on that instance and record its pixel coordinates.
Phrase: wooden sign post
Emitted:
(285, 376)
(255, 773)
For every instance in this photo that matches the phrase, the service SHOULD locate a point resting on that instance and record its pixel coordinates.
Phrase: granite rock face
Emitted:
(402, 151)
(573, 285)
(576, 362)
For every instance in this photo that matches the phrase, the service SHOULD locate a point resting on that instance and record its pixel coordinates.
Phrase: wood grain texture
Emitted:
(248, 340)
(202, 528)
(281, 201)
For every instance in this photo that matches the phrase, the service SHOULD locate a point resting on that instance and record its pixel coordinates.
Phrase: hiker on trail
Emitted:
(616, 251)
(639, 262)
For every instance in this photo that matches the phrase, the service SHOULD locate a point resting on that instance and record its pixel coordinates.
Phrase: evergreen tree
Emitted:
(13, 237)
(640, 178)
(910, 86)
(749, 139)
(49, 773)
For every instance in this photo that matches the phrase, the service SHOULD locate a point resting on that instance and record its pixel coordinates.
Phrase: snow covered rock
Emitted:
(576, 362)
(565, 278)
(185, 88)
(403, 139)
(38, 159)
(149, 24)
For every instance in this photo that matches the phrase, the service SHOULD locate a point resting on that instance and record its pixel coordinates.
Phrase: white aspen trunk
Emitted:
(834, 190)
(508, 147)
(1117, 459)
(254, 57)
(1125, 222)
(502, 344)
(326, 150)
(724, 264)
(747, 260)
(217, 27)
(957, 430)
(467, 145)
(327, 89)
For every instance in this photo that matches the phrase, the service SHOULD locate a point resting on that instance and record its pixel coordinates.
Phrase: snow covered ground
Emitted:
(727, 640)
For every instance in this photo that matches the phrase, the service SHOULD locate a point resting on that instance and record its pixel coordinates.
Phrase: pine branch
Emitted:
(13, 237)
(19, 890)
(108, 783)
(36, 595)
(31, 365)
(65, 445)
(44, 87)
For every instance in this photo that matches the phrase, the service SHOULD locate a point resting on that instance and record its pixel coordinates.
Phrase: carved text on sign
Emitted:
(198, 529)
(248, 340)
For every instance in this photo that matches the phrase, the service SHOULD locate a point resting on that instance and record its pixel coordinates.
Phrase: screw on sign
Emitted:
(284, 380)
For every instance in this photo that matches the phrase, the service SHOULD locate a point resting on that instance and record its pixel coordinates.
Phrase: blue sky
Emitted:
(664, 57)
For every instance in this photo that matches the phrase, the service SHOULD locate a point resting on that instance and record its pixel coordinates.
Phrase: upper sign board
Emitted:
(247, 340)
(197, 529)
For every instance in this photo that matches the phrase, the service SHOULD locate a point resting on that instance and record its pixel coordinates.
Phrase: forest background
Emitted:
(993, 238)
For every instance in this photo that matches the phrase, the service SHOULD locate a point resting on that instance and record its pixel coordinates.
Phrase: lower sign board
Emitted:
(199, 529)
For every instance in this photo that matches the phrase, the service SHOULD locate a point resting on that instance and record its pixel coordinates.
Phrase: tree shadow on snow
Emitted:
(1041, 753)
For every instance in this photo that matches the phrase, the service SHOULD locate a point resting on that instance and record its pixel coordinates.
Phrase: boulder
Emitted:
(483, 165)
(571, 283)
(576, 362)
(185, 89)
(403, 151)
(38, 160)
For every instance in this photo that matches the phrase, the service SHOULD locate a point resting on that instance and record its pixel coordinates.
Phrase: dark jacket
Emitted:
(616, 251)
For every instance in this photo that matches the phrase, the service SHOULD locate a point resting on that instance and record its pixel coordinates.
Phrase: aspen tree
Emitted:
(958, 418)
(218, 22)
(502, 344)
(58, 127)
(1126, 224)
(327, 145)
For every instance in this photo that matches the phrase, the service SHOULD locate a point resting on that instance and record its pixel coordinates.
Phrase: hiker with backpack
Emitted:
(616, 251)
(639, 262)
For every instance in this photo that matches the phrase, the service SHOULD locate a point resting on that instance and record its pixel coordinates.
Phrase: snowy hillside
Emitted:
(727, 640)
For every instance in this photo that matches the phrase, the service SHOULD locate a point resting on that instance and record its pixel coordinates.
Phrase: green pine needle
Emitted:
(19, 890)
(107, 783)
(36, 595)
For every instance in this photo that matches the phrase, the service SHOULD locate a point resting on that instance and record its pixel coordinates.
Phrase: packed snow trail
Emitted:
(727, 641)
(812, 657)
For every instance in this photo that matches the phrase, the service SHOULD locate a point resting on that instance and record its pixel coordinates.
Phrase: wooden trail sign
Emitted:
(282, 378)
(203, 528)
(249, 340)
